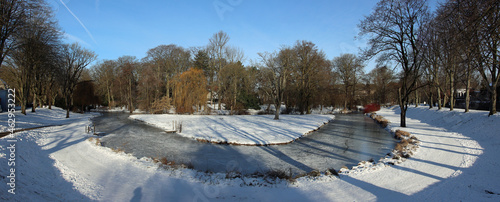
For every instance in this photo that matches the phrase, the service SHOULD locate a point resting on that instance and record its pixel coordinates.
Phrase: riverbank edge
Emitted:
(405, 148)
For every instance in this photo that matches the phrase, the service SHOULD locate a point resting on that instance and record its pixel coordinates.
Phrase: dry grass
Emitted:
(280, 174)
(314, 173)
(117, 150)
(379, 119)
(165, 163)
(399, 134)
(97, 141)
(401, 146)
(332, 171)
(406, 146)
(233, 175)
(382, 121)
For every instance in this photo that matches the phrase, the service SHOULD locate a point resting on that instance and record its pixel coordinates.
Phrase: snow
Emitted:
(242, 130)
(42, 117)
(457, 161)
(117, 109)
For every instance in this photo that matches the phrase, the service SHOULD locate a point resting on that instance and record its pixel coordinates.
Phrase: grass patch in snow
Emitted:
(96, 141)
(380, 120)
(400, 135)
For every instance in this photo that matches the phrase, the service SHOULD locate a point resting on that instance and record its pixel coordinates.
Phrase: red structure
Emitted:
(371, 108)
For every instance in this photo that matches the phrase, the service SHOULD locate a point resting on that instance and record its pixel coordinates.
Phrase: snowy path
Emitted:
(447, 167)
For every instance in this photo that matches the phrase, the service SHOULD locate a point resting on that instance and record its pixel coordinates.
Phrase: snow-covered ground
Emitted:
(457, 161)
(42, 117)
(243, 130)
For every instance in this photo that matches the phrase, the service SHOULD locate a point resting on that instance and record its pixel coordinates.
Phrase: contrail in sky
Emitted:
(81, 23)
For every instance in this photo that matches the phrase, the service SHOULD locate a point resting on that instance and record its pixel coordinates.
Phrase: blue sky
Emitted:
(129, 27)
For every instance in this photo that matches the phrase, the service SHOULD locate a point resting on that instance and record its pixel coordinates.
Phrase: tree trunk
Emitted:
(493, 104)
(403, 116)
(24, 99)
(49, 100)
(235, 94)
(33, 108)
(168, 92)
(416, 98)
(445, 99)
(430, 99)
(108, 88)
(277, 111)
(131, 105)
(467, 91)
(67, 106)
(52, 102)
(23, 107)
(438, 92)
(346, 96)
(219, 97)
(402, 105)
(452, 91)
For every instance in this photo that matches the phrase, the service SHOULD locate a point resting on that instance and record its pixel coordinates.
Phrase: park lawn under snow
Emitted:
(42, 117)
(457, 161)
(242, 130)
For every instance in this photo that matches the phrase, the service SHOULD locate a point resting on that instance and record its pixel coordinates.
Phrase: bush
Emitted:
(249, 100)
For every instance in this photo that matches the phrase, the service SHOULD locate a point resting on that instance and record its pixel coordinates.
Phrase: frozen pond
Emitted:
(347, 140)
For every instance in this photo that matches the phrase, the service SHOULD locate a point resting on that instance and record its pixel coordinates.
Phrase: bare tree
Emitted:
(127, 79)
(35, 51)
(232, 78)
(394, 30)
(74, 59)
(275, 74)
(168, 62)
(12, 19)
(489, 60)
(381, 78)
(432, 55)
(349, 68)
(310, 61)
(104, 74)
(217, 48)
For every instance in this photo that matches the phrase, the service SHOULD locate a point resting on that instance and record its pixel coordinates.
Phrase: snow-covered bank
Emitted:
(241, 130)
(42, 117)
(457, 161)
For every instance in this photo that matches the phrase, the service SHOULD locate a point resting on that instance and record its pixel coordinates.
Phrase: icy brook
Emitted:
(347, 140)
